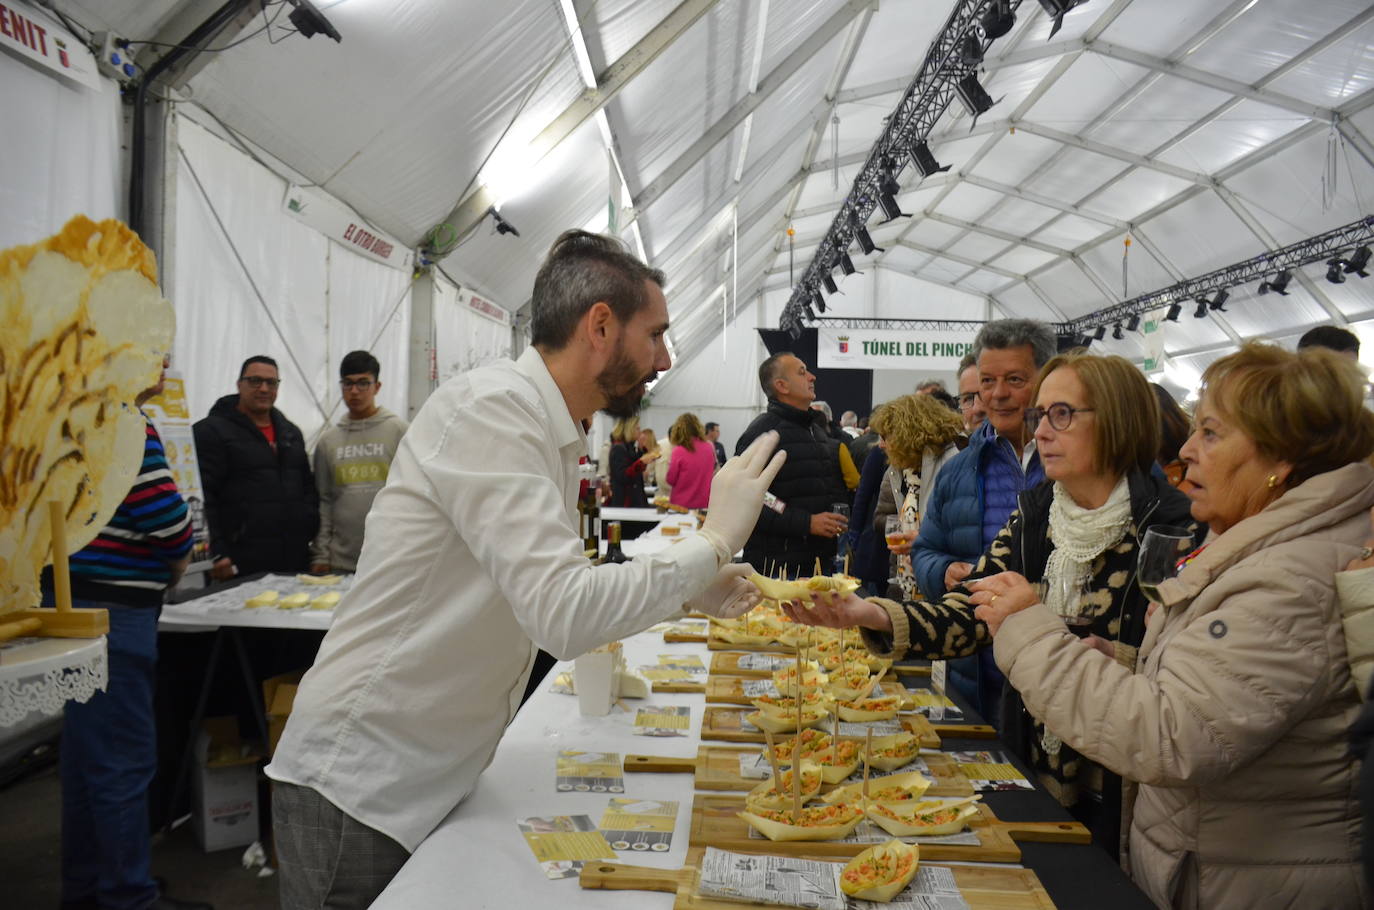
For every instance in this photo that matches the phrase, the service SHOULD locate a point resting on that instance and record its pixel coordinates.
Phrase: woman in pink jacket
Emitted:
(692, 464)
(1234, 721)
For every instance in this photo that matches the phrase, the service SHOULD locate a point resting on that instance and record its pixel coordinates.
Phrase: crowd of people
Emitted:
(1201, 727)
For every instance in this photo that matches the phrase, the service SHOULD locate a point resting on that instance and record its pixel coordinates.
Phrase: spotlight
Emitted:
(998, 19)
(1335, 271)
(502, 225)
(819, 300)
(1133, 324)
(925, 162)
(975, 98)
(1100, 333)
(865, 241)
(1085, 341)
(1057, 9)
(1117, 333)
(310, 21)
(1201, 310)
(810, 314)
(830, 286)
(1174, 312)
(1219, 301)
(890, 207)
(971, 50)
(1279, 285)
(1358, 262)
(847, 265)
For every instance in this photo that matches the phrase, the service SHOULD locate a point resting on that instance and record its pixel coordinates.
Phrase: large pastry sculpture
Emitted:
(83, 330)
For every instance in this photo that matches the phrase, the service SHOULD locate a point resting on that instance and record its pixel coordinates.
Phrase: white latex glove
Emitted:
(728, 595)
(737, 495)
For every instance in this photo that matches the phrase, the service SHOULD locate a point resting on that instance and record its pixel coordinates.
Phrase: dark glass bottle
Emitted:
(613, 552)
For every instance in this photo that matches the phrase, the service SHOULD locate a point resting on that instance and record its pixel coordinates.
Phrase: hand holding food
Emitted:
(839, 611)
(729, 594)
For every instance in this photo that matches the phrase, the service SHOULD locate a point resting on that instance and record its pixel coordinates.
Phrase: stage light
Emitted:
(1085, 341)
(818, 299)
(1335, 271)
(1279, 285)
(1358, 262)
(971, 50)
(502, 225)
(975, 98)
(998, 19)
(847, 265)
(1056, 10)
(830, 286)
(865, 241)
(1219, 301)
(1117, 333)
(1133, 324)
(925, 162)
(1100, 333)
(1201, 311)
(1174, 312)
(310, 21)
(810, 314)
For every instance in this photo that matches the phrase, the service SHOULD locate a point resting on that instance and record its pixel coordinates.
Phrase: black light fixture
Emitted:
(1335, 271)
(1219, 301)
(974, 97)
(502, 225)
(830, 286)
(818, 299)
(865, 241)
(1056, 9)
(1201, 311)
(1133, 324)
(810, 314)
(971, 50)
(925, 162)
(1279, 285)
(1174, 312)
(1100, 333)
(310, 21)
(888, 188)
(1117, 333)
(998, 19)
(847, 265)
(1085, 341)
(1358, 262)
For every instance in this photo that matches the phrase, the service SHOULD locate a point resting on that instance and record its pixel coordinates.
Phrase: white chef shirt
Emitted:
(472, 556)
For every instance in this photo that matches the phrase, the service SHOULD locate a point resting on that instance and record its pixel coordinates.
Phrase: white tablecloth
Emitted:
(478, 857)
(40, 675)
(226, 607)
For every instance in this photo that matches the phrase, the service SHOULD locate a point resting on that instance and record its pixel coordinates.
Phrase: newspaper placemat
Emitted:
(793, 882)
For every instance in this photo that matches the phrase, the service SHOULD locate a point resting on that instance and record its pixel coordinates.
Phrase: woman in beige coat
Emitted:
(1234, 723)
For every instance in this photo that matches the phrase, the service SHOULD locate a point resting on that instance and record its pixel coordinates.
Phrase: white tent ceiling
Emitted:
(1201, 129)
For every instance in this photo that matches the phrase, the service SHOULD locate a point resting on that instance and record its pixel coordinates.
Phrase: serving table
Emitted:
(40, 675)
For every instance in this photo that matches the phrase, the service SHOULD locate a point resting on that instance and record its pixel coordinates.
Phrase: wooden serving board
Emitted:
(671, 637)
(726, 663)
(719, 644)
(729, 690)
(716, 823)
(717, 768)
(680, 686)
(982, 887)
(911, 669)
(727, 724)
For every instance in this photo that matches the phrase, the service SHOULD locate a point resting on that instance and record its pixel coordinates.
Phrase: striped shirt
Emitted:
(129, 561)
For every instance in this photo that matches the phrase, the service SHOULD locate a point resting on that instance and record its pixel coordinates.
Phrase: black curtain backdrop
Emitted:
(843, 390)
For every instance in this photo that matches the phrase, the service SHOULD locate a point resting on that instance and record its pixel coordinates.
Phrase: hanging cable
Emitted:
(834, 151)
(1125, 256)
(1330, 167)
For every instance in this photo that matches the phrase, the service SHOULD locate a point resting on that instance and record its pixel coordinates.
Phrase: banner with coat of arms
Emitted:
(893, 349)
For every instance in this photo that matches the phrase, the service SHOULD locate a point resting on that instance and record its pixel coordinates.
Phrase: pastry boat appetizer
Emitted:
(766, 796)
(865, 709)
(812, 742)
(880, 872)
(812, 699)
(802, 589)
(787, 723)
(898, 789)
(851, 686)
(814, 822)
(892, 752)
(929, 818)
(839, 761)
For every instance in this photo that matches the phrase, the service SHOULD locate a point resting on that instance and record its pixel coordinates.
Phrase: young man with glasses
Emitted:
(260, 500)
(351, 463)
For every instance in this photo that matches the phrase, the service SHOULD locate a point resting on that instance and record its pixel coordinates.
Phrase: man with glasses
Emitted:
(970, 405)
(351, 463)
(260, 500)
(977, 490)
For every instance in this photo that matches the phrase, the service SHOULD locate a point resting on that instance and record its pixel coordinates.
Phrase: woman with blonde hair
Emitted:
(648, 444)
(693, 463)
(1234, 720)
(627, 465)
(919, 435)
(1076, 538)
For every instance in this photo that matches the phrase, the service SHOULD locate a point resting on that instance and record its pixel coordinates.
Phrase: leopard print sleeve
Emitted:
(946, 628)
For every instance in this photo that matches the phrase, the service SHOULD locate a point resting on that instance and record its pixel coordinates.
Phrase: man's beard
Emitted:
(620, 382)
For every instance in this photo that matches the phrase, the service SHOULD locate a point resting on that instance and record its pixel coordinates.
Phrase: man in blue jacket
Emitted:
(977, 491)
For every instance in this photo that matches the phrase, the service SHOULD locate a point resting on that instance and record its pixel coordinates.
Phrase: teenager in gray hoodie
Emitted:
(351, 463)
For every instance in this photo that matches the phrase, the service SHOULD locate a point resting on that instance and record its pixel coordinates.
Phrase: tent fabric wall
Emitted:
(318, 300)
(463, 340)
(61, 152)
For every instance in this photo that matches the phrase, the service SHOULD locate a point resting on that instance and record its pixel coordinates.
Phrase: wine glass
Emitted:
(1160, 550)
(893, 532)
(1068, 602)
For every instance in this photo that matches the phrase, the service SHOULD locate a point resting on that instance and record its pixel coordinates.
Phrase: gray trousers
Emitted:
(328, 860)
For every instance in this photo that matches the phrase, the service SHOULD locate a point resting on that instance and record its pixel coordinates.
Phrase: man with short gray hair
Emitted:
(976, 491)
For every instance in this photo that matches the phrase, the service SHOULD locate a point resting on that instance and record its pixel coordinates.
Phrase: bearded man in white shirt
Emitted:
(472, 560)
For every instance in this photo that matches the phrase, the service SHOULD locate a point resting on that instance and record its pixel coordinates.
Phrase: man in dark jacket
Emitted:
(800, 528)
(260, 498)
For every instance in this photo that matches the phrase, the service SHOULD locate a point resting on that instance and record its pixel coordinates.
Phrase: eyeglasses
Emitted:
(362, 385)
(1059, 413)
(258, 382)
(967, 399)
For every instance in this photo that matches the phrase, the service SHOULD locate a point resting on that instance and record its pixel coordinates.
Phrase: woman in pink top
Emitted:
(692, 464)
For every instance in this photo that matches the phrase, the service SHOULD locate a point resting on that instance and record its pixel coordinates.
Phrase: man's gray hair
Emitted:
(581, 270)
(1014, 333)
(824, 408)
(968, 361)
(926, 385)
(849, 419)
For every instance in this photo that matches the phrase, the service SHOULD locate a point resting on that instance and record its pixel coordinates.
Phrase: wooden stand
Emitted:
(64, 621)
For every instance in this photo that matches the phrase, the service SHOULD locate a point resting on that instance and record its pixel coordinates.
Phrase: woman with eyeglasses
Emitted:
(1075, 537)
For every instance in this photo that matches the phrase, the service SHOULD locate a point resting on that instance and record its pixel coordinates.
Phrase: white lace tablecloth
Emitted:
(40, 675)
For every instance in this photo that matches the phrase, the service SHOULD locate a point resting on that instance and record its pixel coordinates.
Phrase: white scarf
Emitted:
(1080, 536)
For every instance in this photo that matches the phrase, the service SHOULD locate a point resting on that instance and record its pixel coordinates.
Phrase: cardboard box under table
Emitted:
(224, 791)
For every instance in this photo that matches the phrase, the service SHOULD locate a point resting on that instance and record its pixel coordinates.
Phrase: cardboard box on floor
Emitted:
(278, 695)
(225, 789)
